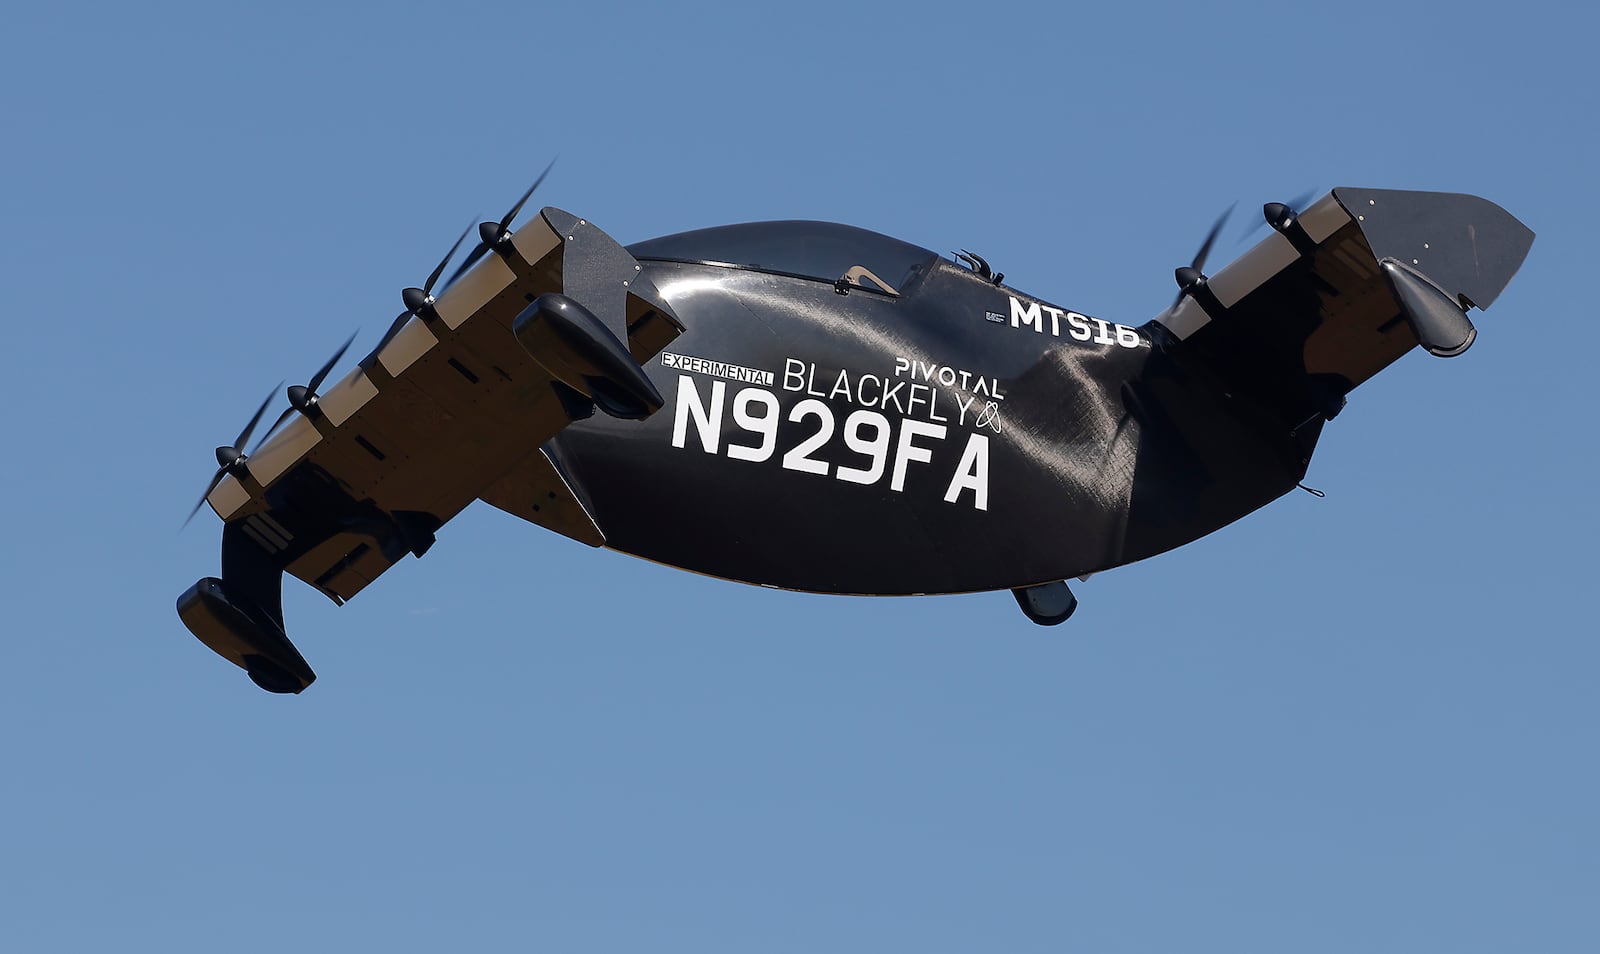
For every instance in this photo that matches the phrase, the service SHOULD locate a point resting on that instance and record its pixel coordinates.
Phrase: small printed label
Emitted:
(716, 369)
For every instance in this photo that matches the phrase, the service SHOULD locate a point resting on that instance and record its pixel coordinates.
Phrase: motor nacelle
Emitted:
(244, 636)
(580, 351)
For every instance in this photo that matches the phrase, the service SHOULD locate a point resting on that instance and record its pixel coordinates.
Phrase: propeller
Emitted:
(418, 299)
(231, 458)
(1195, 271)
(491, 234)
(303, 397)
(1274, 212)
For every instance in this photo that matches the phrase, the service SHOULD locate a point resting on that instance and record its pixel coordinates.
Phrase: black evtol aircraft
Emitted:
(818, 407)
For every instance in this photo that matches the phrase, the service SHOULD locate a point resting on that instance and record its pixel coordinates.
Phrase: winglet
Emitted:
(1467, 246)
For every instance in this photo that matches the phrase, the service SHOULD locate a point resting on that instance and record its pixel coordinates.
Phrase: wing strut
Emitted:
(241, 615)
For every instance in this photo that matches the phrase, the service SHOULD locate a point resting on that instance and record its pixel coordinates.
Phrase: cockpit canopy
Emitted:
(824, 251)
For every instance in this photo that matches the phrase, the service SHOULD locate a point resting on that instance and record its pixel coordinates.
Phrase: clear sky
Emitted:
(1366, 722)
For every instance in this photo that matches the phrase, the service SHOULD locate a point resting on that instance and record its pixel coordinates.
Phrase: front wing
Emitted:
(463, 394)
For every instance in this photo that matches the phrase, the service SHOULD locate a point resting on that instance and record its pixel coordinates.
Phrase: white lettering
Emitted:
(1055, 320)
(1104, 338)
(892, 392)
(841, 385)
(707, 420)
(908, 451)
(799, 458)
(962, 407)
(1032, 314)
(1079, 326)
(869, 437)
(861, 388)
(794, 376)
(876, 447)
(766, 425)
(917, 390)
(1026, 315)
(972, 473)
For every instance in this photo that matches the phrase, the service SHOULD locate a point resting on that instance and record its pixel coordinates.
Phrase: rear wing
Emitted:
(1336, 293)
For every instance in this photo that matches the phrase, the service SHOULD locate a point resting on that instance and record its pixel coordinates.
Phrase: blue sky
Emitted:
(1365, 722)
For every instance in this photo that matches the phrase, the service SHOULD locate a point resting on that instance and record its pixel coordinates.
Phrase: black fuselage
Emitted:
(920, 430)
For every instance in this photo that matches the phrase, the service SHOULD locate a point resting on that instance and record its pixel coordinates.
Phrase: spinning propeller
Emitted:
(492, 234)
(303, 397)
(420, 300)
(1278, 214)
(231, 458)
(1193, 274)
(1191, 278)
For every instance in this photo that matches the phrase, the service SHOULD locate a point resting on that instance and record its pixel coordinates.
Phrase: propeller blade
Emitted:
(492, 234)
(392, 332)
(478, 251)
(427, 289)
(228, 456)
(299, 393)
(428, 285)
(1301, 201)
(215, 480)
(316, 379)
(505, 223)
(1200, 257)
(1297, 205)
(244, 435)
(288, 412)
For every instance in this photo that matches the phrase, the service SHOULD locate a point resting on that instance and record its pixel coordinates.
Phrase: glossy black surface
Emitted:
(820, 250)
(1092, 454)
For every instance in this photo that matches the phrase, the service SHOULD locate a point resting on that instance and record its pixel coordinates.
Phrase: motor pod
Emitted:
(244, 636)
(1441, 325)
(577, 349)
